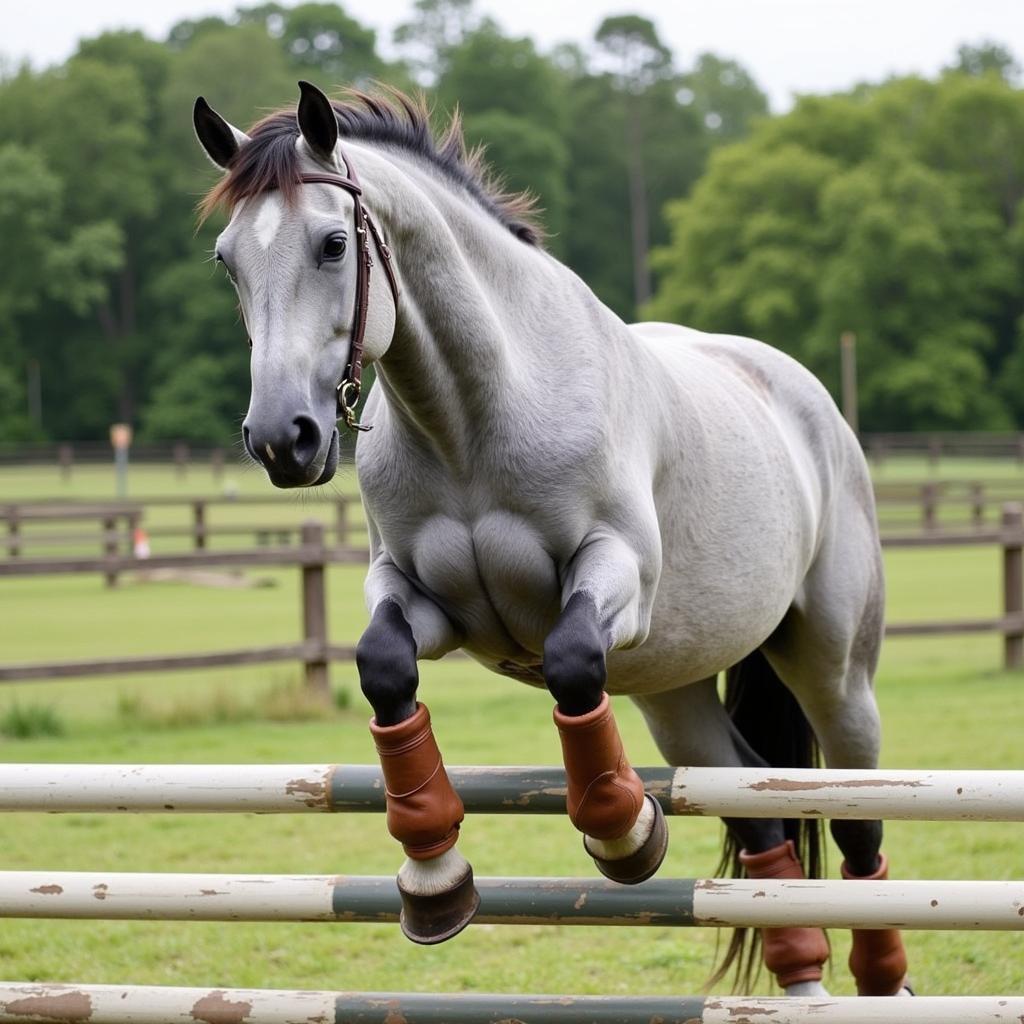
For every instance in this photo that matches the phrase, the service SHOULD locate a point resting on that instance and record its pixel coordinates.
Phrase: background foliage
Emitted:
(893, 211)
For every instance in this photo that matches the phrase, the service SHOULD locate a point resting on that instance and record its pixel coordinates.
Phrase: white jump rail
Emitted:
(669, 902)
(137, 1004)
(718, 792)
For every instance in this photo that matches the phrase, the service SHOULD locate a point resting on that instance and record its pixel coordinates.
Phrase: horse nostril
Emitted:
(248, 443)
(307, 443)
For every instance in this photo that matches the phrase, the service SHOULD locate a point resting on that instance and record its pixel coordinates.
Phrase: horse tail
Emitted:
(771, 721)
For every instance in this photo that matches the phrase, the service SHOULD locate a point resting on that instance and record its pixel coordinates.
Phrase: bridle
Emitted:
(350, 386)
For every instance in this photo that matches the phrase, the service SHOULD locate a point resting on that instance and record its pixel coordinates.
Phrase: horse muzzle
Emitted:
(294, 454)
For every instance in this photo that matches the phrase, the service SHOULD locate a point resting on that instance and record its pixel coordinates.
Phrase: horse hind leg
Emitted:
(692, 727)
(849, 737)
(833, 682)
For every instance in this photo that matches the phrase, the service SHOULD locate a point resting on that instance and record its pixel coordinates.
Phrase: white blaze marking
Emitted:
(268, 221)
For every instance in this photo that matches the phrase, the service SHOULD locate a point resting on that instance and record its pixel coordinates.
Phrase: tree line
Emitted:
(893, 210)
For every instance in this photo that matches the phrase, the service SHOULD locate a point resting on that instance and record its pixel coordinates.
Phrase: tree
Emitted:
(987, 59)
(858, 212)
(436, 28)
(723, 95)
(514, 102)
(320, 40)
(638, 60)
(190, 406)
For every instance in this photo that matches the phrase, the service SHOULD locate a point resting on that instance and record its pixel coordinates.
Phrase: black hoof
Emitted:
(429, 920)
(638, 866)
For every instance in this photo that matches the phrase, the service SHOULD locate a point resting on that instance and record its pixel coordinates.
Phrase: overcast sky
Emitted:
(791, 46)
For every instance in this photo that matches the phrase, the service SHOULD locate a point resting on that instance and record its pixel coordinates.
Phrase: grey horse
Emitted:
(583, 505)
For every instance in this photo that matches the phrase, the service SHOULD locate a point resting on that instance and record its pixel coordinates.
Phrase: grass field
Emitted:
(944, 704)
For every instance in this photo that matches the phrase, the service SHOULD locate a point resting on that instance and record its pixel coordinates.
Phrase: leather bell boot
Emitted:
(604, 793)
(878, 961)
(791, 954)
(424, 811)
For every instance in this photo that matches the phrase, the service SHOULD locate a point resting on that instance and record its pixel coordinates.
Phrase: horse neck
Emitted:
(478, 343)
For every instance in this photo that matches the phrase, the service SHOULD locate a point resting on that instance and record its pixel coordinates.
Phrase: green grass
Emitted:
(944, 705)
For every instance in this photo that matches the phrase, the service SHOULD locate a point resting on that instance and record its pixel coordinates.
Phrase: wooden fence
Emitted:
(116, 522)
(312, 556)
(1010, 538)
(314, 651)
(944, 444)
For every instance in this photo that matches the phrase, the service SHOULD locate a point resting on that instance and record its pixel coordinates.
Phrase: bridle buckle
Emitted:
(348, 399)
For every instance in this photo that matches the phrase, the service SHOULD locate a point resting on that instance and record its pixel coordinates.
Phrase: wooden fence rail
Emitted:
(315, 652)
(312, 556)
(118, 521)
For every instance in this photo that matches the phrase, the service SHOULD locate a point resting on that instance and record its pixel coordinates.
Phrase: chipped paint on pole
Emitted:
(660, 902)
(137, 1004)
(716, 792)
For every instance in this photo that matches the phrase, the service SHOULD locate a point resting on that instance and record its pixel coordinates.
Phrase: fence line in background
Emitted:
(313, 555)
(315, 652)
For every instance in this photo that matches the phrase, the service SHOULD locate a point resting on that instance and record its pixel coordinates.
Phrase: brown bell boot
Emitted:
(791, 954)
(878, 961)
(424, 811)
(604, 793)
(605, 796)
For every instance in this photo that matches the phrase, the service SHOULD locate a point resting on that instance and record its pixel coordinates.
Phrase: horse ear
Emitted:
(317, 121)
(220, 140)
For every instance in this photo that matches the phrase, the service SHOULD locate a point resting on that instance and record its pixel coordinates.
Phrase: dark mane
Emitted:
(270, 160)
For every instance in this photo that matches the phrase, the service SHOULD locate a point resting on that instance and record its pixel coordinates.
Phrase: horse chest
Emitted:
(493, 576)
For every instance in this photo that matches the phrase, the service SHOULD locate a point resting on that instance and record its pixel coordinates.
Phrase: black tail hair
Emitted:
(769, 718)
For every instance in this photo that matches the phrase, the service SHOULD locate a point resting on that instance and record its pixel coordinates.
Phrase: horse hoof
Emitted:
(638, 866)
(440, 916)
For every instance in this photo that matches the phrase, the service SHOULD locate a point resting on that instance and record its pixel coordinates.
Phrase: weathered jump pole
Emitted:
(314, 610)
(1013, 585)
(24, 1002)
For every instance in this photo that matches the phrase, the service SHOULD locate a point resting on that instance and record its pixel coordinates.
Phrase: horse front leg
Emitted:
(423, 810)
(623, 829)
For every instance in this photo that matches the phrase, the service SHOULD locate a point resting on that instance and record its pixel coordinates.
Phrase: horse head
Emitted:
(297, 249)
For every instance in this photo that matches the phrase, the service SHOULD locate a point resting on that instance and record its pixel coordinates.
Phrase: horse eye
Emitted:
(334, 247)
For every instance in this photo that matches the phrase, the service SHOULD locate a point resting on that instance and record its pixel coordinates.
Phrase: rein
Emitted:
(350, 386)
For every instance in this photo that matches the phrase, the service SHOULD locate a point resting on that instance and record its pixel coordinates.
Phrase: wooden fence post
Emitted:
(199, 525)
(314, 611)
(977, 504)
(1013, 585)
(13, 529)
(181, 460)
(110, 546)
(929, 501)
(341, 522)
(65, 457)
(133, 521)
